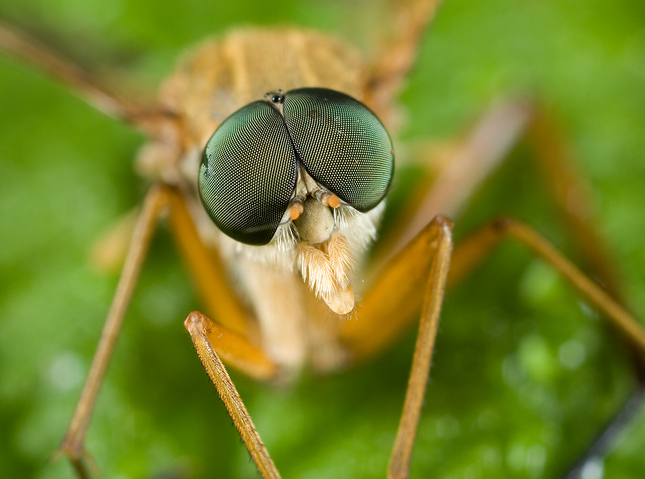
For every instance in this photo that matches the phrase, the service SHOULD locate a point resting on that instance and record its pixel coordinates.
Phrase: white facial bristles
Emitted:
(341, 257)
(358, 228)
(328, 270)
(316, 269)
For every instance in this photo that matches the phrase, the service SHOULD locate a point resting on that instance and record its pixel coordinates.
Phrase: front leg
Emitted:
(212, 341)
(440, 236)
(389, 306)
(249, 358)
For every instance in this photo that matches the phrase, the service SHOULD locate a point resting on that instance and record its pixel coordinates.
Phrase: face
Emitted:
(515, 346)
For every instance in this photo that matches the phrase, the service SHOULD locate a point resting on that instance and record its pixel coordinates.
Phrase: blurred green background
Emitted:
(524, 373)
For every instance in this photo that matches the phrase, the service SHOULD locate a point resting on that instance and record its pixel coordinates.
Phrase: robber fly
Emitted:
(276, 257)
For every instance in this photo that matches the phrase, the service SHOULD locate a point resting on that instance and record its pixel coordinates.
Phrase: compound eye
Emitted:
(248, 174)
(341, 144)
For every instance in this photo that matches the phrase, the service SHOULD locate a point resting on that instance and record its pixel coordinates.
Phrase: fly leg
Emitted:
(148, 118)
(470, 252)
(399, 467)
(72, 444)
(206, 270)
(231, 338)
(396, 295)
(473, 158)
(212, 341)
(397, 52)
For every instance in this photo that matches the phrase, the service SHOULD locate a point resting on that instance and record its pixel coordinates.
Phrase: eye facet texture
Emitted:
(248, 174)
(249, 168)
(341, 144)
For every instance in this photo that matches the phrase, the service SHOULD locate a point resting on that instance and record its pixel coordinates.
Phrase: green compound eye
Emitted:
(341, 144)
(249, 167)
(248, 174)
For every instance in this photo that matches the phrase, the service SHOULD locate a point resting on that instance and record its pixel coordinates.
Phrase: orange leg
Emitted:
(399, 467)
(397, 53)
(474, 249)
(434, 244)
(396, 295)
(146, 117)
(231, 339)
(236, 350)
(470, 160)
(72, 444)
(209, 338)
(207, 270)
(476, 156)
